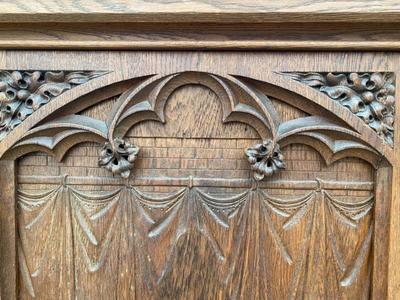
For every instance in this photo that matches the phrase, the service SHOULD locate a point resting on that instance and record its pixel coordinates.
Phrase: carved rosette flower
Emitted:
(370, 96)
(23, 92)
(118, 157)
(265, 159)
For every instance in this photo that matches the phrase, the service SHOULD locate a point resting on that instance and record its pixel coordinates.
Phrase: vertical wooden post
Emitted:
(393, 218)
(8, 258)
(383, 199)
(394, 244)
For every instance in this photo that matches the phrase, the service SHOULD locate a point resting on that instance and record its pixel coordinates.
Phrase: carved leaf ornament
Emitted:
(370, 96)
(265, 159)
(23, 92)
(153, 219)
(118, 157)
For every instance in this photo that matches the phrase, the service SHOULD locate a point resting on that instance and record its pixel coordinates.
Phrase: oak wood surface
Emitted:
(201, 36)
(394, 236)
(8, 232)
(236, 11)
(200, 25)
(104, 245)
(89, 218)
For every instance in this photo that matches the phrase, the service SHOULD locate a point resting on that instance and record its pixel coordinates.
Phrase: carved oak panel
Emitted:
(201, 183)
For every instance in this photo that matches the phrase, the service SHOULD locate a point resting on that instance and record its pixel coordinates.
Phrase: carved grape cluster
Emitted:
(23, 92)
(370, 96)
(265, 159)
(118, 157)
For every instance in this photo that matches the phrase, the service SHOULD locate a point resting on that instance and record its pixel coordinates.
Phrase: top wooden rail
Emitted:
(221, 11)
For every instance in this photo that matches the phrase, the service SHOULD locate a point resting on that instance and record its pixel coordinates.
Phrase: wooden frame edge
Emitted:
(8, 231)
(316, 36)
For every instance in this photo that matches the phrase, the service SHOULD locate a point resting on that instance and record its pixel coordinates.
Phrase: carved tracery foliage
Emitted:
(370, 96)
(241, 102)
(106, 231)
(23, 92)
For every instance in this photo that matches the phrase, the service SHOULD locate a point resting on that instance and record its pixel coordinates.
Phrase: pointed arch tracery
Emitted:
(242, 100)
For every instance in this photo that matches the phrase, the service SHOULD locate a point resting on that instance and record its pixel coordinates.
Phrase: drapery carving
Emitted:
(148, 217)
(232, 222)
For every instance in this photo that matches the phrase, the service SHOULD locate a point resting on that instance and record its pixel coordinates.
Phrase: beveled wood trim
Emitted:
(201, 36)
(8, 231)
(201, 45)
(200, 182)
(234, 11)
(380, 245)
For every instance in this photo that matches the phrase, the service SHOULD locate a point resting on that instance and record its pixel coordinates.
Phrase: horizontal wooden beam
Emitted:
(199, 182)
(222, 11)
(201, 36)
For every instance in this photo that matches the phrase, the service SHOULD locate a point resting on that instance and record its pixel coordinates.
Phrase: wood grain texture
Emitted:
(189, 221)
(264, 75)
(205, 11)
(8, 232)
(382, 208)
(318, 36)
(394, 241)
(163, 272)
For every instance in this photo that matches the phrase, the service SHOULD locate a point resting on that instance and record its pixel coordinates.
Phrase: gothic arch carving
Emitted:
(61, 125)
(242, 101)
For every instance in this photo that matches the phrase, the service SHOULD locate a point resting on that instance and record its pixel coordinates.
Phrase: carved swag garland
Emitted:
(152, 215)
(265, 158)
(147, 102)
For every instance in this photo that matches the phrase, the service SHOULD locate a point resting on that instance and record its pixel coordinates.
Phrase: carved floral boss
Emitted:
(118, 157)
(241, 102)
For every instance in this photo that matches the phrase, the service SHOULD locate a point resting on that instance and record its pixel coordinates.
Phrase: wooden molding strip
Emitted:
(199, 182)
(201, 45)
(221, 11)
(204, 36)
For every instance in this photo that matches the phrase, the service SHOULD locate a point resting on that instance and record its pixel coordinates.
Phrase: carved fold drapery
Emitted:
(148, 217)
(235, 225)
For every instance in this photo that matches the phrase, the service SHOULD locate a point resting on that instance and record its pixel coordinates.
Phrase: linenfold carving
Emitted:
(241, 102)
(236, 222)
(23, 92)
(370, 96)
(148, 217)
